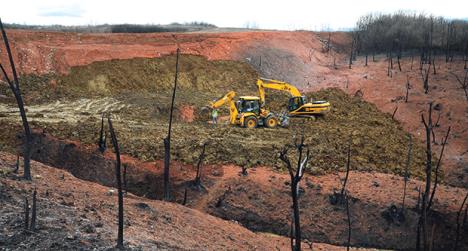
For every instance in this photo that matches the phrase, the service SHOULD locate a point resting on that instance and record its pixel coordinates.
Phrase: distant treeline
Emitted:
(409, 32)
(118, 28)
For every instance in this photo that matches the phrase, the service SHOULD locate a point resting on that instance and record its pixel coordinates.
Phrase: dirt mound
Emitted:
(377, 142)
(157, 75)
(298, 57)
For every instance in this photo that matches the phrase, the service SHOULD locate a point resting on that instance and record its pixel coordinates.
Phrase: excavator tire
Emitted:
(312, 118)
(271, 122)
(250, 122)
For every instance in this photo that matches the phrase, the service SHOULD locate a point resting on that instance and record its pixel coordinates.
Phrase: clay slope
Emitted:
(75, 214)
(261, 202)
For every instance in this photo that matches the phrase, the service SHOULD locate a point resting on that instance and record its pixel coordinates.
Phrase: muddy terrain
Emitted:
(70, 80)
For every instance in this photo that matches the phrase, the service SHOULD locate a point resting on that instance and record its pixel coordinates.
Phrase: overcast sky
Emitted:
(265, 14)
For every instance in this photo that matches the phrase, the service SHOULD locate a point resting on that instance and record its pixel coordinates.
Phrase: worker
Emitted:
(214, 116)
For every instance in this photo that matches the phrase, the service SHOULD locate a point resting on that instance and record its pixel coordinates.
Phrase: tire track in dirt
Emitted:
(71, 112)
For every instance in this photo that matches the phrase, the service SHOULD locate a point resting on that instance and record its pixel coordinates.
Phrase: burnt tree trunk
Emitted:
(425, 199)
(118, 177)
(394, 112)
(351, 54)
(348, 165)
(464, 84)
(436, 179)
(412, 58)
(17, 164)
(15, 88)
(34, 213)
(197, 180)
(167, 140)
(349, 223)
(26, 214)
(408, 87)
(398, 59)
(296, 176)
(407, 165)
(184, 202)
(102, 137)
(457, 235)
(425, 78)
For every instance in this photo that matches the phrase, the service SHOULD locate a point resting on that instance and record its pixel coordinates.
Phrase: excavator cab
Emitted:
(296, 102)
(249, 104)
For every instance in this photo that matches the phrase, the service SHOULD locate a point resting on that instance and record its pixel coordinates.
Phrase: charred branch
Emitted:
(408, 87)
(296, 175)
(34, 213)
(436, 179)
(167, 140)
(15, 88)
(118, 177)
(457, 236)
(102, 137)
(197, 180)
(424, 211)
(407, 174)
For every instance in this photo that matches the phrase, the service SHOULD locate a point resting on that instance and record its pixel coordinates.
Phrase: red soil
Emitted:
(295, 56)
(261, 202)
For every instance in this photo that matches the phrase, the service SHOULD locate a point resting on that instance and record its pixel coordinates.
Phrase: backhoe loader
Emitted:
(297, 105)
(246, 112)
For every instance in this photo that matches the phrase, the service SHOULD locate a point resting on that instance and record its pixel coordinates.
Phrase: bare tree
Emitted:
(436, 179)
(408, 87)
(125, 188)
(167, 140)
(197, 180)
(398, 59)
(26, 214)
(15, 88)
(17, 164)
(457, 236)
(296, 176)
(425, 199)
(349, 222)
(407, 165)
(184, 202)
(34, 213)
(329, 42)
(348, 165)
(102, 137)
(464, 83)
(115, 143)
(425, 78)
(394, 111)
(351, 52)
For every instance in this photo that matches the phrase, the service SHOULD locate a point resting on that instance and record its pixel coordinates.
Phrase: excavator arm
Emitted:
(263, 83)
(228, 98)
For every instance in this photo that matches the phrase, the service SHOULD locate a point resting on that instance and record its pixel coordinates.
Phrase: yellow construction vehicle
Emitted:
(246, 112)
(297, 105)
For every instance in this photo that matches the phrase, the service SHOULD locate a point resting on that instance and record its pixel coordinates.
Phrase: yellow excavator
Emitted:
(297, 105)
(247, 111)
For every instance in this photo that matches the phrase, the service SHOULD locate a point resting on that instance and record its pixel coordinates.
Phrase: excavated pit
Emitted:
(139, 102)
(260, 201)
(138, 99)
